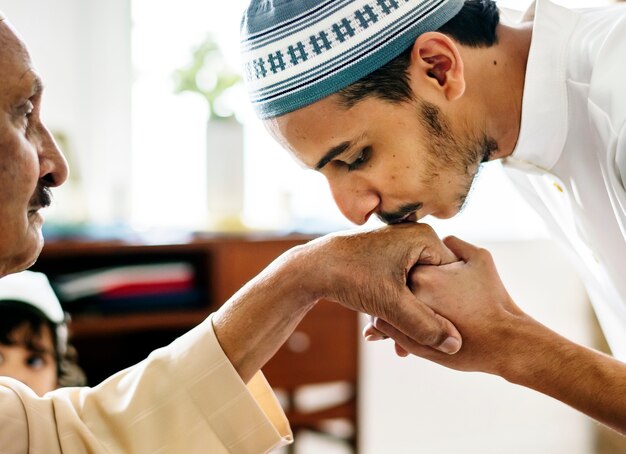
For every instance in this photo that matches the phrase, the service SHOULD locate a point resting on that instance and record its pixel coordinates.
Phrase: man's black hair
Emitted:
(474, 26)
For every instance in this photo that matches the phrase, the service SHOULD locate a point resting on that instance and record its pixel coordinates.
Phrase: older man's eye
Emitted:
(25, 113)
(361, 159)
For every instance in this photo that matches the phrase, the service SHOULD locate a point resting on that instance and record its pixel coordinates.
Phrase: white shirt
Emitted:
(184, 398)
(572, 147)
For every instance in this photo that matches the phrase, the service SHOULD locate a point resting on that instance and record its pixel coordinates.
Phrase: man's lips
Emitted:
(408, 213)
(411, 217)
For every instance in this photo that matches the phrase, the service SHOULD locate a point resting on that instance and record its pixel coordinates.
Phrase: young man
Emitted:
(398, 102)
(205, 391)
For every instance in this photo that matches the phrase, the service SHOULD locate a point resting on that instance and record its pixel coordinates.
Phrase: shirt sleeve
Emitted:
(186, 397)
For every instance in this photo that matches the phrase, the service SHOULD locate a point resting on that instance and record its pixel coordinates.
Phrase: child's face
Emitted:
(36, 368)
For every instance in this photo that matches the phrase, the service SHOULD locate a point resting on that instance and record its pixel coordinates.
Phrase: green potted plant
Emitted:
(208, 75)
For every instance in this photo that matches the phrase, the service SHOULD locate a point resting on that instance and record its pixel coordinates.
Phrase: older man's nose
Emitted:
(52, 164)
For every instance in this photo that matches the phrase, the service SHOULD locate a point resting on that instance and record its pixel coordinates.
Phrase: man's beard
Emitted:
(462, 155)
(446, 152)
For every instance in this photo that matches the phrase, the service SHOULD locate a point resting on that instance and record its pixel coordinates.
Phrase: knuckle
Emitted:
(433, 336)
(418, 281)
(483, 254)
(426, 229)
(432, 339)
(423, 276)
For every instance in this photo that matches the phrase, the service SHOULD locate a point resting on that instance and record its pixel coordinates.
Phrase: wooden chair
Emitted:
(323, 350)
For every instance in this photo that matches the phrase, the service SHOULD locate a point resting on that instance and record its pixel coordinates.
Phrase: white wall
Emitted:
(412, 406)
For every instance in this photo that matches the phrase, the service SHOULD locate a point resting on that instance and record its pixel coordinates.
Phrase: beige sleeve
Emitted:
(185, 397)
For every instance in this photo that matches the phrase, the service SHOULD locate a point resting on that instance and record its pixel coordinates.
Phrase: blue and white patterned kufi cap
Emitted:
(296, 52)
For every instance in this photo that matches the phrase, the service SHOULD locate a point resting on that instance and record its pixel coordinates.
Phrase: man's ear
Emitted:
(436, 62)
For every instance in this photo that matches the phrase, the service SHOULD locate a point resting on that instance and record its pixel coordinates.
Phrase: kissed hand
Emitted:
(369, 272)
(470, 294)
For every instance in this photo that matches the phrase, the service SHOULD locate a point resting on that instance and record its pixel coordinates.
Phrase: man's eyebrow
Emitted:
(333, 153)
(33, 92)
(37, 86)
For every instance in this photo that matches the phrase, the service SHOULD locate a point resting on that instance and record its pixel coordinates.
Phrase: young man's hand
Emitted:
(369, 272)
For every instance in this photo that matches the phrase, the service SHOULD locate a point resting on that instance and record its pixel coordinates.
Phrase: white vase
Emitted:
(225, 174)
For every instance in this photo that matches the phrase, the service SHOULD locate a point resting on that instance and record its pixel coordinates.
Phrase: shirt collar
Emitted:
(543, 126)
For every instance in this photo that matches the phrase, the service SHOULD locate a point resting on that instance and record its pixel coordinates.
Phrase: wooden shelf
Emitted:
(102, 325)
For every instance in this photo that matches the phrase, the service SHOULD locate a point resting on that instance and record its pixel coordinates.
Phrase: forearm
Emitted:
(366, 272)
(253, 324)
(590, 381)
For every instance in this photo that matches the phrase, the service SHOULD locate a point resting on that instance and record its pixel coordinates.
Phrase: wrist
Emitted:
(308, 273)
(531, 349)
(267, 309)
(292, 277)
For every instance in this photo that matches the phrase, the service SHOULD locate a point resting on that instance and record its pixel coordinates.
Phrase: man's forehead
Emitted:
(17, 75)
(312, 122)
(8, 35)
(309, 133)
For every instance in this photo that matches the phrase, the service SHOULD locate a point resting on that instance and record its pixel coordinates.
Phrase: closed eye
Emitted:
(361, 159)
(24, 113)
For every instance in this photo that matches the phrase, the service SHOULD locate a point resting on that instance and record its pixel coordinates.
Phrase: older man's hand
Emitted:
(368, 272)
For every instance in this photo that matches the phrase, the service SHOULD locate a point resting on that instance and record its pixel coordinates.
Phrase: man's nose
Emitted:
(53, 167)
(356, 200)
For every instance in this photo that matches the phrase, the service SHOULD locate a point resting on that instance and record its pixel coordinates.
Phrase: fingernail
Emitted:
(450, 346)
(375, 337)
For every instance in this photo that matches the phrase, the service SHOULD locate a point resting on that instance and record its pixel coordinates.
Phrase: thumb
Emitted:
(424, 326)
(460, 248)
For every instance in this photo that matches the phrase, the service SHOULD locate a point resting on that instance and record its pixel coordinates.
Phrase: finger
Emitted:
(435, 251)
(423, 325)
(419, 274)
(370, 333)
(400, 351)
(460, 248)
(403, 342)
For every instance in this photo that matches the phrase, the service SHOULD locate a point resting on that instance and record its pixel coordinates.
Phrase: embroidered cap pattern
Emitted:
(298, 52)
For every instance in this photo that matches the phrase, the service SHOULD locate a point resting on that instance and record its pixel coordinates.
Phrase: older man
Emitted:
(204, 392)
(398, 102)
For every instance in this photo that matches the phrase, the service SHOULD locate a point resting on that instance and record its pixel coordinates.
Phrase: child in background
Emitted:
(34, 345)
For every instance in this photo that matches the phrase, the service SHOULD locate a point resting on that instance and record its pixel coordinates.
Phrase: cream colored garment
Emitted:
(184, 398)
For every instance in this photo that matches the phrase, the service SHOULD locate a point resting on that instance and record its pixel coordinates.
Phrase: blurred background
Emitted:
(139, 94)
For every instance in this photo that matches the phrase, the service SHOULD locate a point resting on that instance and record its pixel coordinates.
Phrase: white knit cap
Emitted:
(2, 16)
(298, 52)
(33, 289)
